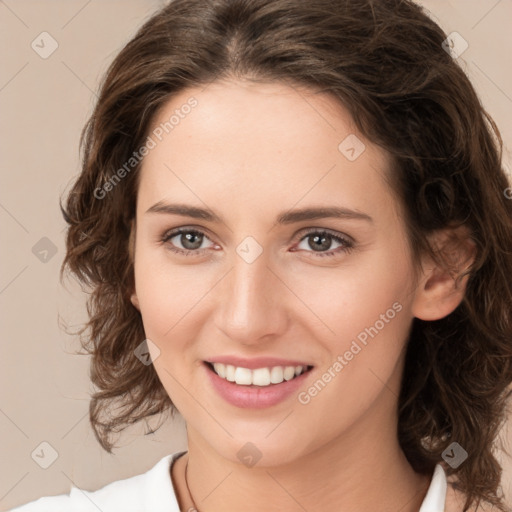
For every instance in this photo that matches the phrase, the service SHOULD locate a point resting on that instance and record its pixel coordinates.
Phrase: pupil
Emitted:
(324, 242)
(187, 240)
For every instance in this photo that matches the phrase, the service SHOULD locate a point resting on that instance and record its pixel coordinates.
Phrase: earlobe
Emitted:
(135, 301)
(440, 290)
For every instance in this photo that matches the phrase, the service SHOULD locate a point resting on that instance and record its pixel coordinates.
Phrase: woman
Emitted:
(295, 225)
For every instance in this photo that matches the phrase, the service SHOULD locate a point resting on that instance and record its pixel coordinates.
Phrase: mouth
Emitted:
(257, 377)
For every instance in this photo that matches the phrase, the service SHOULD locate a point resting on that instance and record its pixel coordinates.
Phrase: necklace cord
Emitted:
(194, 509)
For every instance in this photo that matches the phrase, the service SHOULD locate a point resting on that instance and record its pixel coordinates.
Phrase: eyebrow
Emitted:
(286, 217)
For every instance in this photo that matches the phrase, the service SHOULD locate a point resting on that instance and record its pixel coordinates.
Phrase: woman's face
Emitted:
(292, 253)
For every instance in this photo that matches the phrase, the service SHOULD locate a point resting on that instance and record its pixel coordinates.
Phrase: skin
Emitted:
(249, 152)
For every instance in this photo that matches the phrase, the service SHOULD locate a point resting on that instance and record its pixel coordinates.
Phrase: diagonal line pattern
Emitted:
(492, 81)
(193, 192)
(13, 217)
(304, 98)
(305, 194)
(301, 300)
(285, 490)
(14, 14)
(199, 403)
(67, 433)
(75, 15)
(13, 77)
(81, 490)
(300, 199)
(204, 295)
(13, 279)
(14, 423)
(486, 14)
(79, 79)
(217, 486)
(14, 485)
(405, 346)
(280, 423)
(385, 383)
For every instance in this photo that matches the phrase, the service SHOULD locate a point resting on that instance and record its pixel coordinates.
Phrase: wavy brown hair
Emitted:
(384, 61)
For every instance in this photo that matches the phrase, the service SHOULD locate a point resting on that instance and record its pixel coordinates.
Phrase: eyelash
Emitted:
(347, 245)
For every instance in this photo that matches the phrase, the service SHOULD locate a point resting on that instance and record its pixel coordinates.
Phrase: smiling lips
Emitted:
(255, 383)
(259, 376)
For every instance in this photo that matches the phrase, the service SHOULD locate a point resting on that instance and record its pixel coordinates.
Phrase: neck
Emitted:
(363, 469)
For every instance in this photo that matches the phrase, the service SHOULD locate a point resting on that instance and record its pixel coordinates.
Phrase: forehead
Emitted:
(270, 140)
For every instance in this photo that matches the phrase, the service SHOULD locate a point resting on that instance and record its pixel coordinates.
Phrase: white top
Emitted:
(153, 492)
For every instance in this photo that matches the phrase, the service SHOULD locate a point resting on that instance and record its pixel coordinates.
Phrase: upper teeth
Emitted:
(259, 376)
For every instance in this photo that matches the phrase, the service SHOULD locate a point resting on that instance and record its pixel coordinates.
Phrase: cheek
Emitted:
(167, 293)
(369, 314)
(358, 295)
(168, 296)
(365, 312)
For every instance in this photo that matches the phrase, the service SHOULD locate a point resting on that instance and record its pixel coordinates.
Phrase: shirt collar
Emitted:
(160, 486)
(436, 495)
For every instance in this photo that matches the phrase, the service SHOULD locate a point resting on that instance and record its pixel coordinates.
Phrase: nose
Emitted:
(251, 307)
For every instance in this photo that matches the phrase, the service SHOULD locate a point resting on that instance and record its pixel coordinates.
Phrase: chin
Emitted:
(256, 447)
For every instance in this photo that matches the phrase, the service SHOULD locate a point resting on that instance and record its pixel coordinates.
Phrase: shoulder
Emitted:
(152, 490)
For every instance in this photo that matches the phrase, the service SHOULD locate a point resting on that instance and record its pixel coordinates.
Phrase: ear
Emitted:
(135, 300)
(131, 252)
(439, 291)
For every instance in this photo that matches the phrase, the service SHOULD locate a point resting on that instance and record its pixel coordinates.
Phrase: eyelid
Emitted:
(347, 241)
(332, 232)
(171, 233)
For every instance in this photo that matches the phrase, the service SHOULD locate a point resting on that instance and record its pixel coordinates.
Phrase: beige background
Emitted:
(44, 103)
